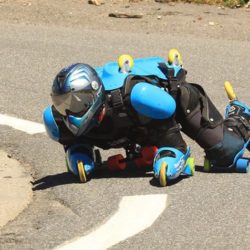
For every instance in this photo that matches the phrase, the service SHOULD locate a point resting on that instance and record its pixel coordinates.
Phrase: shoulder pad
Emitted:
(50, 124)
(152, 101)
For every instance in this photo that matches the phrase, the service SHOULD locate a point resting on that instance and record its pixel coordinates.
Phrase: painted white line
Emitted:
(23, 125)
(135, 214)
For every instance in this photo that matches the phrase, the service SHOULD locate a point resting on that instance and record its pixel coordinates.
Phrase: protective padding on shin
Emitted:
(223, 154)
(189, 99)
(193, 96)
(79, 152)
(199, 118)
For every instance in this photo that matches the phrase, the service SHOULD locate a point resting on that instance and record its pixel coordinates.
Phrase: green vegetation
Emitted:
(234, 3)
(227, 3)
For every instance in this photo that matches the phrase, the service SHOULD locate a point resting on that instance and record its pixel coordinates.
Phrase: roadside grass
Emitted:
(227, 3)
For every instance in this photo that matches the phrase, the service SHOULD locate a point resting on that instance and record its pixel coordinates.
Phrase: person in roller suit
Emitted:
(87, 114)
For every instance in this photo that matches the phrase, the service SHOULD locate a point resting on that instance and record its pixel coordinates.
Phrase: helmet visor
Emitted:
(74, 103)
(81, 125)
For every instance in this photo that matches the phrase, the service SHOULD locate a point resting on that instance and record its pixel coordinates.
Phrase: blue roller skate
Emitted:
(237, 112)
(80, 161)
(170, 163)
(235, 107)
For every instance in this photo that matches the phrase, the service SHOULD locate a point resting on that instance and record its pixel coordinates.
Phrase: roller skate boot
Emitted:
(237, 114)
(236, 138)
(170, 163)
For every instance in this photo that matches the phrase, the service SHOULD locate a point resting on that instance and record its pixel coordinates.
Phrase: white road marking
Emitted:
(135, 214)
(23, 125)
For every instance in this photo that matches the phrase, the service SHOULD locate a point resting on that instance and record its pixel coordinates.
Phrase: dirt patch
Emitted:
(15, 188)
(166, 18)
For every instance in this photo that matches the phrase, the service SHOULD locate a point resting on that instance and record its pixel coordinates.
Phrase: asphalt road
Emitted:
(207, 211)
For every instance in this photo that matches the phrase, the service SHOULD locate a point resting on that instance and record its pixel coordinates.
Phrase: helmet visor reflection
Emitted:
(77, 103)
(81, 125)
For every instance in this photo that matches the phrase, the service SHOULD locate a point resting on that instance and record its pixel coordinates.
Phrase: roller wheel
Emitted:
(191, 163)
(242, 165)
(67, 165)
(163, 174)
(207, 165)
(229, 90)
(81, 172)
(174, 57)
(125, 58)
(116, 162)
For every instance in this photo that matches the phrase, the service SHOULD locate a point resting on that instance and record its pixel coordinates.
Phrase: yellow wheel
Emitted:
(191, 163)
(163, 176)
(207, 165)
(174, 57)
(67, 165)
(229, 90)
(125, 62)
(81, 172)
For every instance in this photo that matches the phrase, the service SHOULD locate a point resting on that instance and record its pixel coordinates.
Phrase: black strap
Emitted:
(173, 82)
(132, 80)
(210, 115)
(116, 98)
(240, 125)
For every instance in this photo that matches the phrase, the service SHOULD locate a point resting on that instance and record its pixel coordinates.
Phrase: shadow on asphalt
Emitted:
(102, 172)
(68, 178)
(214, 170)
(50, 181)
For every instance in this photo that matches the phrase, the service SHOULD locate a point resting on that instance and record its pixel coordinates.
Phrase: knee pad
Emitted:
(194, 99)
(198, 116)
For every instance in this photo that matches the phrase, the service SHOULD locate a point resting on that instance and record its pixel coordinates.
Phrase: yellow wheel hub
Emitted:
(229, 90)
(207, 165)
(174, 57)
(81, 171)
(191, 163)
(163, 176)
(125, 62)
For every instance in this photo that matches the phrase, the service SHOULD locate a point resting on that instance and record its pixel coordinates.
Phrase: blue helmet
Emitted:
(78, 95)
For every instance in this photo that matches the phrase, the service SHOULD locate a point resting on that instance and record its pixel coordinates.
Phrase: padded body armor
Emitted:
(123, 126)
(200, 120)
